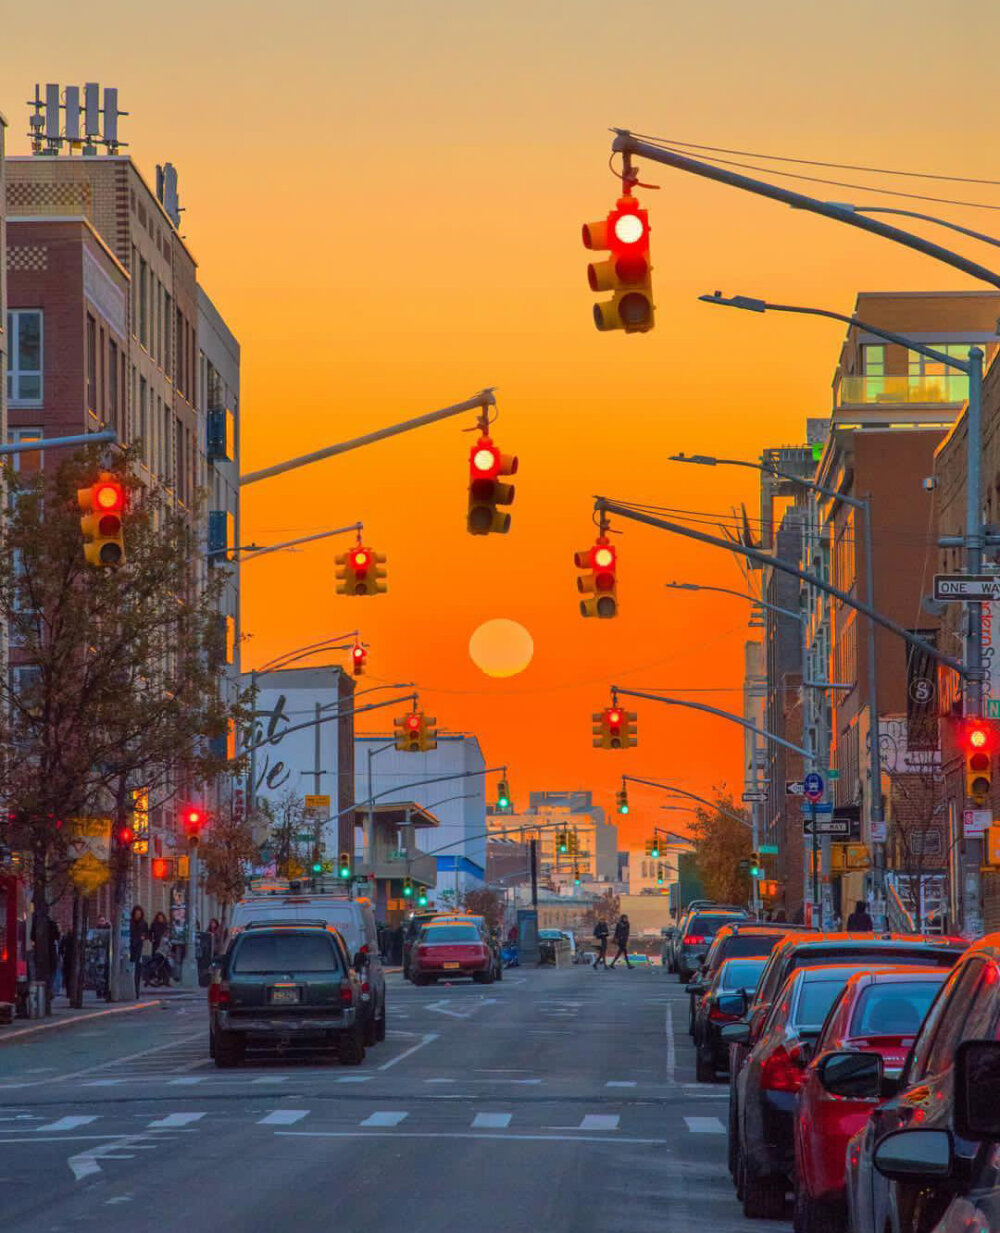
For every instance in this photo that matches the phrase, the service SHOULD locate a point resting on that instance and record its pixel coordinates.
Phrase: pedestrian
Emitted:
(601, 937)
(622, 930)
(214, 937)
(859, 920)
(53, 943)
(138, 936)
(158, 931)
(67, 952)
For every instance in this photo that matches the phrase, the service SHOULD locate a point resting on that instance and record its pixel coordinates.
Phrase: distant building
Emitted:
(592, 854)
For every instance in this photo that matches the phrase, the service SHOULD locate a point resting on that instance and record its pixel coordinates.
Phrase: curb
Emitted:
(5, 1037)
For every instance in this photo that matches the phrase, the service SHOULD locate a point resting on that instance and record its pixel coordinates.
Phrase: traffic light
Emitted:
(486, 492)
(562, 842)
(659, 875)
(576, 876)
(626, 272)
(503, 794)
(755, 869)
(126, 836)
(979, 740)
(102, 506)
(317, 861)
(407, 888)
(344, 865)
(621, 799)
(358, 657)
(360, 572)
(654, 850)
(421, 896)
(192, 820)
(615, 729)
(599, 582)
(415, 732)
(161, 868)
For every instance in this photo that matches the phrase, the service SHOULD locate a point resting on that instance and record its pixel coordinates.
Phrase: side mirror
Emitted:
(914, 1155)
(731, 1004)
(735, 1033)
(695, 988)
(854, 1075)
(977, 1089)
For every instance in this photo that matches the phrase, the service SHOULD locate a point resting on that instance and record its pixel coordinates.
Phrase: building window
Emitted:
(24, 355)
(143, 305)
(142, 419)
(31, 460)
(91, 363)
(113, 386)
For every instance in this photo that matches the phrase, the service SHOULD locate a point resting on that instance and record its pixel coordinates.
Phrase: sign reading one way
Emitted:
(966, 586)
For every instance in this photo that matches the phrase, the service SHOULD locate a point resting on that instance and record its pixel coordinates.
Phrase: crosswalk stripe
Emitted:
(354, 1079)
(67, 1123)
(384, 1118)
(272, 1079)
(599, 1121)
(174, 1120)
(705, 1126)
(187, 1082)
(620, 1083)
(491, 1121)
(283, 1117)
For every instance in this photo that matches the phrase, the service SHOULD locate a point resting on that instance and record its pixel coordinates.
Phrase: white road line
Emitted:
(384, 1117)
(440, 1080)
(354, 1079)
(272, 1079)
(283, 1117)
(85, 1164)
(705, 1126)
(173, 1120)
(620, 1083)
(600, 1121)
(67, 1123)
(431, 1036)
(187, 1082)
(102, 1082)
(130, 1057)
(671, 1046)
(491, 1121)
(469, 1135)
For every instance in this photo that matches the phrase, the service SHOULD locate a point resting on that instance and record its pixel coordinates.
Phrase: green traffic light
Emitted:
(623, 808)
(317, 866)
(503, 802)
(655, 852)
(407, 892)
(345, 871)
(422, 899)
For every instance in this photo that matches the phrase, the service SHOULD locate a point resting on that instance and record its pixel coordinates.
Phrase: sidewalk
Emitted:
(64, 1016)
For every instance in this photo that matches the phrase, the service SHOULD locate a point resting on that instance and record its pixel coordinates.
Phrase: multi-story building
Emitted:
(593, 854)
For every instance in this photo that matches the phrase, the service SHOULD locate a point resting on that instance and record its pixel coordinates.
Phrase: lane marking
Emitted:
(671, 1046)
(130, 1057)
(68, 1123)
(283, 1117)
(384, 1117)
(102, 1082)
(272, 1079)
(173, 1120)
(468, 1135)
(187, 1082)
(354, 1079)
(600, 1121)
(431, 1036)
(705, 1126)
(491, 1121)
(620, 1083)
(86, 1164)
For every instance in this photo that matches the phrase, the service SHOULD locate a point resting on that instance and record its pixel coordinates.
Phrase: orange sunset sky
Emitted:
(385, 201)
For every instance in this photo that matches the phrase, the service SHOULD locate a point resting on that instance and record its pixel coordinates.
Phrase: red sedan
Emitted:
(878, 1011)
(450, 950)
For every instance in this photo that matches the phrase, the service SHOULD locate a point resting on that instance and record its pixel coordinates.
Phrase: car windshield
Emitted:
(740, 973)
(449, 933)
(877, 956)
(750, 944)
(707, 926)
(285, 952)
(893, 1009)
(815, 1000)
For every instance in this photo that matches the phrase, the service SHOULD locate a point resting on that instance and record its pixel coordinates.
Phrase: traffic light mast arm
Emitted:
(625, 143)
(273, 665)
(785, 567)
(484, 398)
(105, 437)
(702, 800)
(714, 710)
(250, 552)
(416, 783)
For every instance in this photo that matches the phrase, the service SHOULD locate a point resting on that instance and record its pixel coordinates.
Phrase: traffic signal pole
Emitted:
(484, 398)
(702, 800)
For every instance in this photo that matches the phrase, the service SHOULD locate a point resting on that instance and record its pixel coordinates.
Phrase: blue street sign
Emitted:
(822, 807)
(813, 785)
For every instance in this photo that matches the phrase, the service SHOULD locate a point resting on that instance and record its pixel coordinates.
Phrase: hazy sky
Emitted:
(385, 202)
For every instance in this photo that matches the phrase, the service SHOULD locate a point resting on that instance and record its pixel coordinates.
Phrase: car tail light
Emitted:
(346, 993)
(695, 939)
(784, 1070)
(365, 987)
(218, 994)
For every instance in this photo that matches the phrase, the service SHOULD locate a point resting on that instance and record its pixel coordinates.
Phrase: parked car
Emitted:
(490, 937)
(453, 949)
(697, 936)
(856, 950)
(767, 1084)
(353, 919)
(287, 986)
(741, 938)
(927, 1159)
(733, 977)
(410, 934)
(879, 1010)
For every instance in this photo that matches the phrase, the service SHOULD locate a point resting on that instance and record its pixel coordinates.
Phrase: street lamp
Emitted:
(763, 603)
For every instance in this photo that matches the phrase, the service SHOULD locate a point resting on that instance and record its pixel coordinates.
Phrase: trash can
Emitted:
(36, 999)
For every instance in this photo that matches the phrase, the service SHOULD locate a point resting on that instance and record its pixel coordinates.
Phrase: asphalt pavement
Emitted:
(561, 1100)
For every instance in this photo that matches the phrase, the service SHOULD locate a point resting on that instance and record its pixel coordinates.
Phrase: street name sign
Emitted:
(822, 806)
(825, 826)
(966, 586)
(767, 849)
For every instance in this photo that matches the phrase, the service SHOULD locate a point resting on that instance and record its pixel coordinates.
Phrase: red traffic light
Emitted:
(413, 722)
(160, 867)
(108, 496)
(979, 736)
(126, 836)
(614, 717)
(193, 819)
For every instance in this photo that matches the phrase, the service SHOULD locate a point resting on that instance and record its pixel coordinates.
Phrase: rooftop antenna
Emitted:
(56, 118)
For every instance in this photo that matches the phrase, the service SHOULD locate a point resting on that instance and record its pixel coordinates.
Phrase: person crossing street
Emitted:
(601, 937)
(622, 930)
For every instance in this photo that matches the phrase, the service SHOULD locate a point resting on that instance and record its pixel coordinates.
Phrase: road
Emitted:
(561, 1100)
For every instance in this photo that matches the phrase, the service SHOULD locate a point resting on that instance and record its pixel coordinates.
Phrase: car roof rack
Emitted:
(269, 924)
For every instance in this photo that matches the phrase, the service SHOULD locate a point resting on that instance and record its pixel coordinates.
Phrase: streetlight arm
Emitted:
(754, 554)
(927, 218)
(251, 552)
(625, 143)
(702, 800)
(714, 710)
(325, 719)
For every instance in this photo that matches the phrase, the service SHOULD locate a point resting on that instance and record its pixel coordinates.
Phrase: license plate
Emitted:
(451, 965)
(283, 994)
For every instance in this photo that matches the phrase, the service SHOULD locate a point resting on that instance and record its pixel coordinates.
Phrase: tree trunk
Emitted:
(121, 982)
(74, 978)
(40, 923)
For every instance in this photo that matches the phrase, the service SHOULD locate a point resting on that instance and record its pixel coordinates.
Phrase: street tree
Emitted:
(116, 673)
(227, 853)
(721, 842)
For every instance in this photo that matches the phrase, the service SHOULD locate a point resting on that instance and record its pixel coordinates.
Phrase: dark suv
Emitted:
(286, 986)
(697, 936)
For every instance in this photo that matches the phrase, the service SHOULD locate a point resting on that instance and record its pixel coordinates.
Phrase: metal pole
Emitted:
(817, 904)
(973, 848)
(533, 843)
(483, 399)
(189, 978)
(875, 811)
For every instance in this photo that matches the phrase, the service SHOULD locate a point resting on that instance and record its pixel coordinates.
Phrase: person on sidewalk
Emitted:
(67, 953)
(859, 920)
(601, 937)
(622, 930)
(138, 935)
